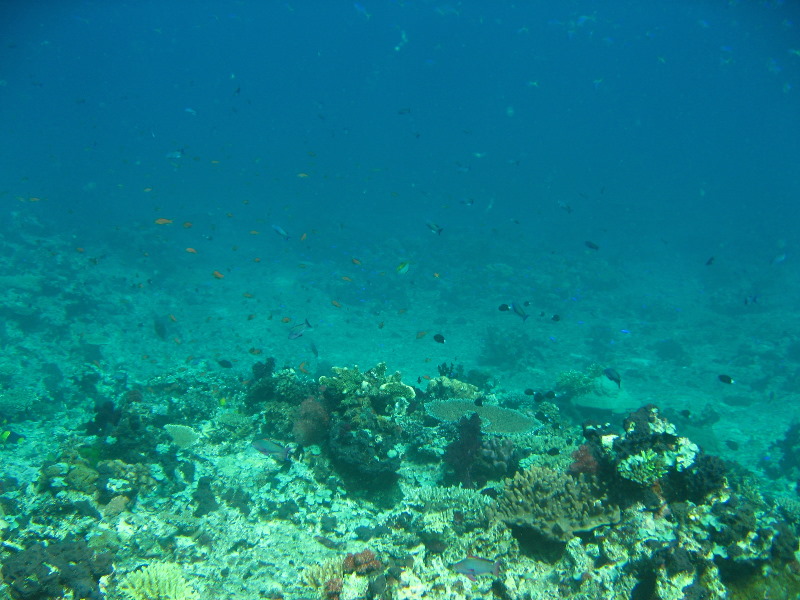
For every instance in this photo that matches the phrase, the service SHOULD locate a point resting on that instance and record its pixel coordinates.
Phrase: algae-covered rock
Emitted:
(445, 388)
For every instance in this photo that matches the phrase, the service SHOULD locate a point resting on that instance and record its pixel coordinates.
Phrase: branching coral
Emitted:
(554, 504)
(157, 581)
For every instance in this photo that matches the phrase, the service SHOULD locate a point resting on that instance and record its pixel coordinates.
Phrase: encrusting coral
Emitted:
(554, 504)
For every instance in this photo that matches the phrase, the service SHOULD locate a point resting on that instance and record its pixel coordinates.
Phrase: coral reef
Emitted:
(157, 581)
(554, 504)
(52, 570)
(495, 419)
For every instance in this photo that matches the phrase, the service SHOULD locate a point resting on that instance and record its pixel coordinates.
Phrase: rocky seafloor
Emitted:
(356, 484)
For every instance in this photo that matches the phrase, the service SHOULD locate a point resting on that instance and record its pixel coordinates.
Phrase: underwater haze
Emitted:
(400, 299)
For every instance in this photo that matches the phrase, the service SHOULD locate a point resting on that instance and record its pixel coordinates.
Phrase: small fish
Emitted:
(298, 330)
(439, 338)
(162, 221)
(473, 566)
(187, 224)
(504, 308)
(271, 448)
(191, 250)
(591, 245)
(174, 155)
(280, 231)
(435, 228)
(565, 207)
(726, 379)
(355, 261)
(402, 268)
(421, 334)
(613, 376)
(710, 261)
(218, 275)
(518, 310)
(225, 364)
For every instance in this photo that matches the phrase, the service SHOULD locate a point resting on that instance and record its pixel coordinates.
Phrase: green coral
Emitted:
(644, 468)
(157, 581)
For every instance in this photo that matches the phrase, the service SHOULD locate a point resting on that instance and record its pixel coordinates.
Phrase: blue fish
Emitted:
(277, 451)
(473, 566)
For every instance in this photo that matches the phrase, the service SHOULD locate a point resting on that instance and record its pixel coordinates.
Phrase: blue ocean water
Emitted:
(512, 190)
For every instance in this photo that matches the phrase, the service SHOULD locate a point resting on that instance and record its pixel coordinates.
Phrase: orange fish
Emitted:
(248, 295)
(255, 351)
(191, 251)
(218, 275)
(285, 320)
(173, 318)
(421, 334)
(302, 175)
(254, 232)
(336, 304)
(303, 237)
(355, 261)
(187, 224)
(80, 250)
(346, 278)
(162, 221)
(302, 367)
(256, 259)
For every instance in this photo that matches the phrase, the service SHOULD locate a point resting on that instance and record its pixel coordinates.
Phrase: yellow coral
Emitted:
(157, 581)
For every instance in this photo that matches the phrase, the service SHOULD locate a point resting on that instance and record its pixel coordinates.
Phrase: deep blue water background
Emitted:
(672, 121)
(666, 133)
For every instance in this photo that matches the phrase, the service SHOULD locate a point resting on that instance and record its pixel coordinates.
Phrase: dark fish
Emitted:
(314, 350)
(613, 376)
(519, 311)
(529, 392)
(277, 451)
(472, 567)
(504, 308)
(591, 245)
(555, 318)
(297, 331)
(435, 228)
(438, 338)
(725, 378)
(327, 542)
(732, 445)
(710, 261)
(550, 395)
(225, 364)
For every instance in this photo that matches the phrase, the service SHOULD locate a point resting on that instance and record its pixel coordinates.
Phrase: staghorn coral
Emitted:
(157, 581)
(554, 504)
